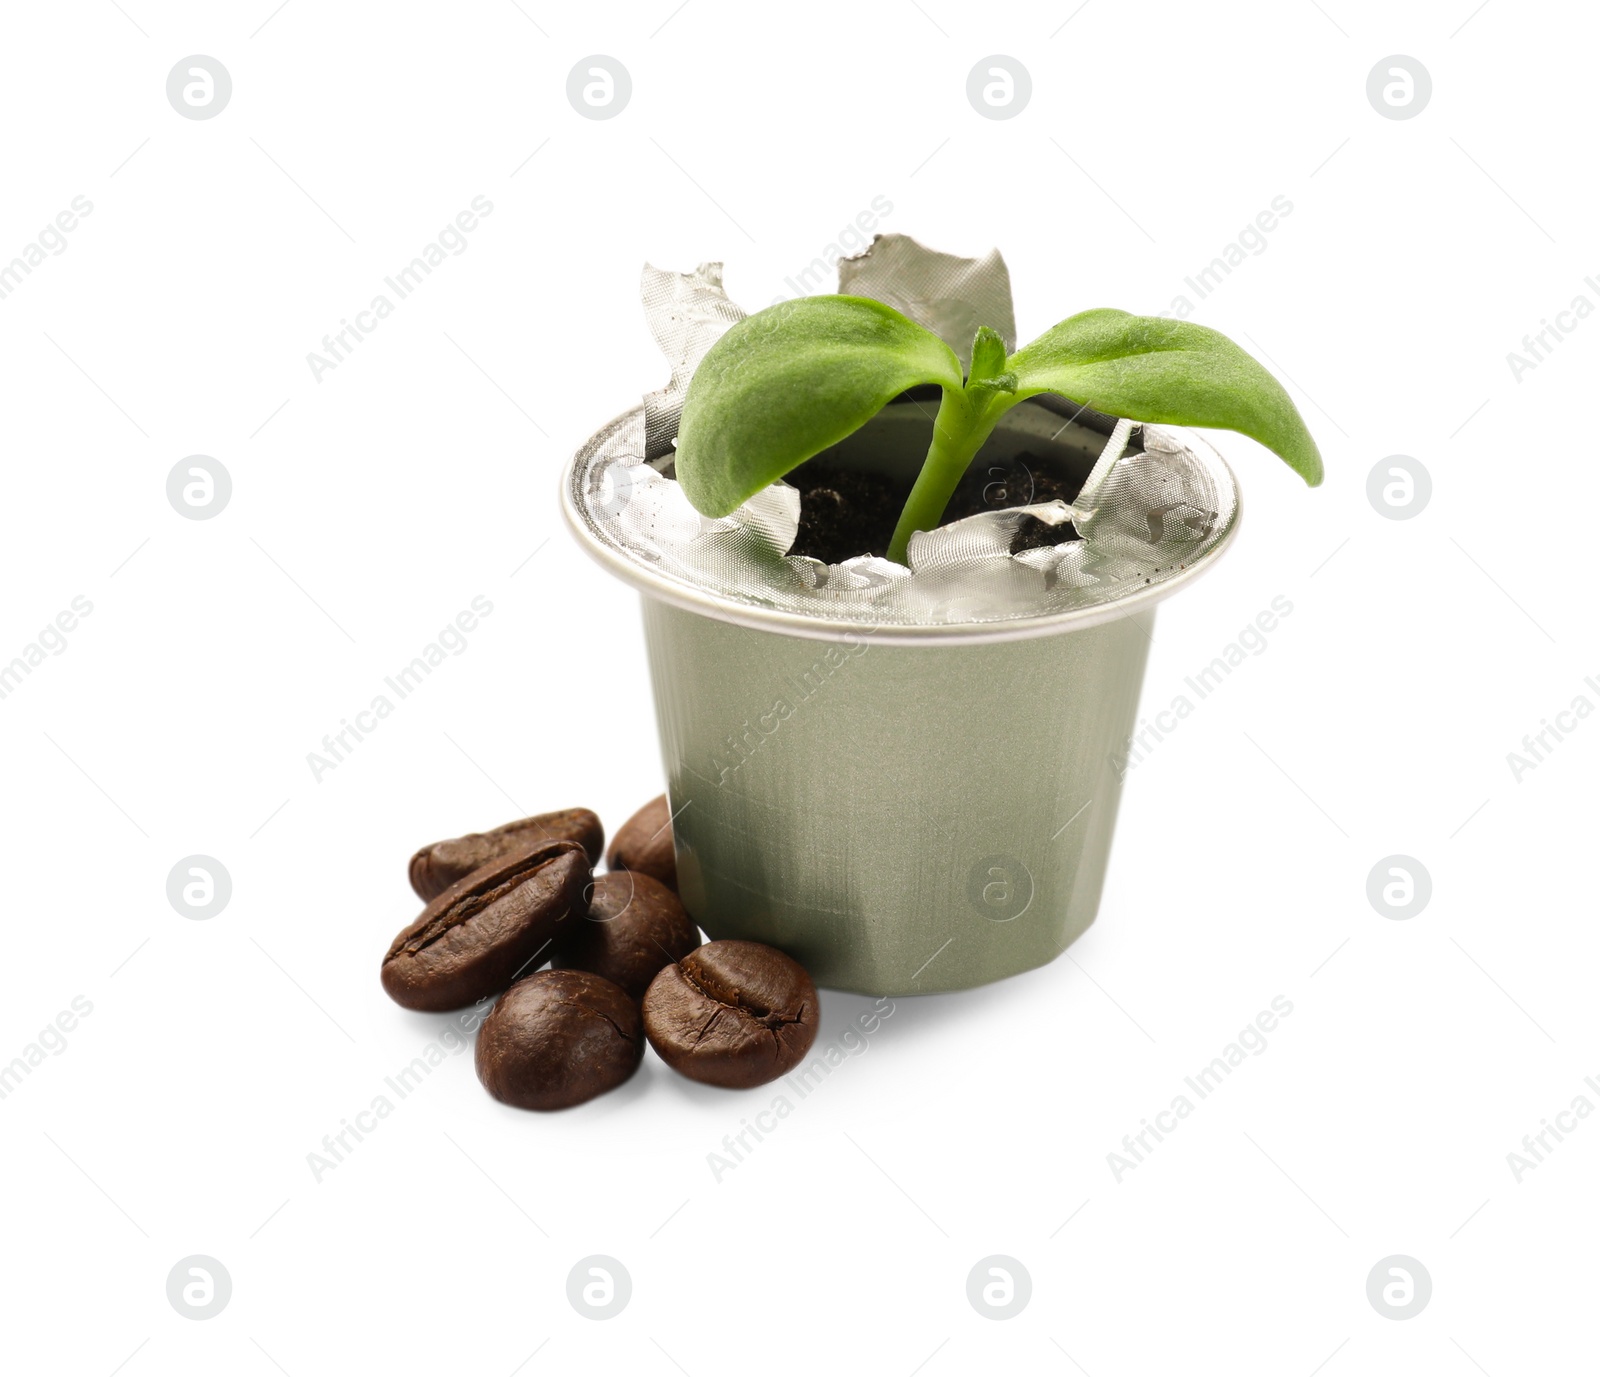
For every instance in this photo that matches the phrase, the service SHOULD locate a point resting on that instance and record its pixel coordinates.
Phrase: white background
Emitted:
(370, 507)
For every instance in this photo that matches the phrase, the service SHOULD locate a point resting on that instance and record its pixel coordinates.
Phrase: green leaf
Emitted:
(1167, 372)
(988, 355)
(1001, 382)
(787, 382)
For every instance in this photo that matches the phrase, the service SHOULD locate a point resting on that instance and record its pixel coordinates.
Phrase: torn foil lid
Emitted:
(950, 296)
(1154, 502)
(687, 313)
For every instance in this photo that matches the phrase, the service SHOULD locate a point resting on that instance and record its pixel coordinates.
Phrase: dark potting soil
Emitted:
(844, 512)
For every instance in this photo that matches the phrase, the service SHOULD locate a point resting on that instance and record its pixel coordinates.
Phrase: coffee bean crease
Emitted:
(469, 908)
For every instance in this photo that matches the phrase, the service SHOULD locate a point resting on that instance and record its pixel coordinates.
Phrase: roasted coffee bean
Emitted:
(644, 843)
(476, 937)
(559, 1038)
(735, 1014)
(435, 868)
(634, 927)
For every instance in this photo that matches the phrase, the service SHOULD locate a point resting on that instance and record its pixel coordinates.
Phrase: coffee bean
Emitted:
(634, 927)
(476, 937)
(735, 1014)
(644, 843)
(435, 868)
(558, 1038)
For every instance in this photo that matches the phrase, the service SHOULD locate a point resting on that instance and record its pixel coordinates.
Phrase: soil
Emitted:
(844, 512)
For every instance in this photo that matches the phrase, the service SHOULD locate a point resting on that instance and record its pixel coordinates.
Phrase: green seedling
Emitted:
(788, 382)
